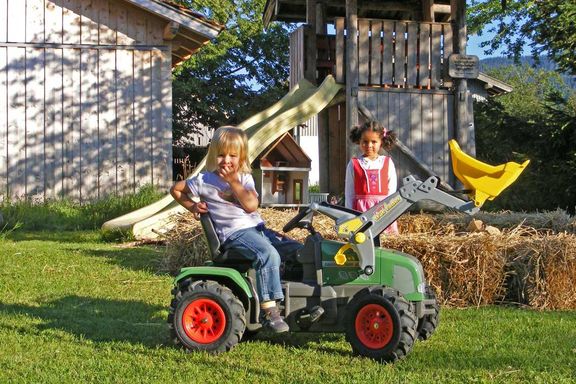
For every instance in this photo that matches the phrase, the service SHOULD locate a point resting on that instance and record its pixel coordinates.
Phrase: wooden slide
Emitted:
(296, 107)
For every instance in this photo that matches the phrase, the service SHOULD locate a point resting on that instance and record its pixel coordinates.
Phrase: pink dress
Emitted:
(371, 187)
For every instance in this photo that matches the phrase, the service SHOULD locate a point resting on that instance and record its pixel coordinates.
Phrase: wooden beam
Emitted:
(171, 30)
(352, 82)
(405, 6)
(441, 8)
(427, 13)
(321, 28)
(463, 121)
(310, 39)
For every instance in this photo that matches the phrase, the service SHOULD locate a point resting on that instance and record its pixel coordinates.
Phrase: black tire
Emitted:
(206, 316)
(428, 323)
(380, 324)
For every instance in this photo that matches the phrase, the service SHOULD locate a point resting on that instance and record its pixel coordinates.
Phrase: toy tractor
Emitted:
(378, 297)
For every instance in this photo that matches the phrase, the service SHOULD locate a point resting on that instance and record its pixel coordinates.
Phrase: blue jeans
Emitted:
(256, 244)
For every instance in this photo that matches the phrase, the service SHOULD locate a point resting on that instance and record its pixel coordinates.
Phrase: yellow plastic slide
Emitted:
(300, 104)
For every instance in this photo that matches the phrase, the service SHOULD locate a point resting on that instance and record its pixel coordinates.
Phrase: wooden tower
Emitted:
(402, 63)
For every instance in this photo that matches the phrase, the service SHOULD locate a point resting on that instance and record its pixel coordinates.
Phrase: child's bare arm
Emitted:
(247, 198)
(180, 191)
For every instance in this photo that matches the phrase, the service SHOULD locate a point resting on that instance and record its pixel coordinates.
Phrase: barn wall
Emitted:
(85, 99)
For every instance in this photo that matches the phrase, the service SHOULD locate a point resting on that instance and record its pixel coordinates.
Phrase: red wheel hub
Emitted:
(204, 321)
(374, 326)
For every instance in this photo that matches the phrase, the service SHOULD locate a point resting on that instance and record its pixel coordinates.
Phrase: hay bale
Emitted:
(463, 269)
(543, 272)
(185, 245)
(534, 266)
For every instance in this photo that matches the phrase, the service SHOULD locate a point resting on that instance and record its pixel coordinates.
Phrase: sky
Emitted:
(473, 46)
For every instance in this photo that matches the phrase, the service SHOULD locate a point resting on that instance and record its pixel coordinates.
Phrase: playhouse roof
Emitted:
(284, 152)
(188, 30)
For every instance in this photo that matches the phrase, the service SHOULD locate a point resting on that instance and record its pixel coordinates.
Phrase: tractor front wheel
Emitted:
(380, 324)
(206, 316)
(428, 323)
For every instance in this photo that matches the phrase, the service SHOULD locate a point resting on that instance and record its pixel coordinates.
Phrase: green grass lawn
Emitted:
(74, 309)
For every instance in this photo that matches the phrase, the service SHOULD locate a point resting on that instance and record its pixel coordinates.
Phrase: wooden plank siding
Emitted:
(85, 99)
(421, 120)
(3, 124)
(397, 54)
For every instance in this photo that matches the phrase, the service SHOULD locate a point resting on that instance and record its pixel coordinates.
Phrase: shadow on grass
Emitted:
(141, 258)
(317, 341)
(98, 320)
(57, 236)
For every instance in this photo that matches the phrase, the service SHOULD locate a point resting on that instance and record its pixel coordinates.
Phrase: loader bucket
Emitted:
(484, 181)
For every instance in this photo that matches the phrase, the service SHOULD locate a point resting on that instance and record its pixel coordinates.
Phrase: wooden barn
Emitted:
(85, 94)
(403, 63)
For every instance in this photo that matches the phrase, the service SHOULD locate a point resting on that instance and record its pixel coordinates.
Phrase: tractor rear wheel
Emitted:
(206, 316)
(380, 324)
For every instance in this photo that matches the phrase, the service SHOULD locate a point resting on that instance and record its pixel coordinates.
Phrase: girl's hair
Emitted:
(228, 139)
(388, 137)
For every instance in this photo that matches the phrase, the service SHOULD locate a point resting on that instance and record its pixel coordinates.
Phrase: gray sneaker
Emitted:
(273, 321)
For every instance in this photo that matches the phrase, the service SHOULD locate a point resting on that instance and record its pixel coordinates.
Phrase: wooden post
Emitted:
(463, 120)
(310, 41)
(351, 71)
(323, 128)
(321, 27)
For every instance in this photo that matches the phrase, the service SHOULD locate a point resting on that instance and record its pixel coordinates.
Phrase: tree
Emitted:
(242, 72)
(538, 122)
(545, 26)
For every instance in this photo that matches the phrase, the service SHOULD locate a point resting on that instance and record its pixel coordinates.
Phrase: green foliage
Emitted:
(243, 71)
(68, 215)
(7, 229)
(73, 310)
(537, 121)
(545, 26)
(314, 188)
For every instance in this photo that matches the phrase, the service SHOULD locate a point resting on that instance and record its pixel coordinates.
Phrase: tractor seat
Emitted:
(220, 258)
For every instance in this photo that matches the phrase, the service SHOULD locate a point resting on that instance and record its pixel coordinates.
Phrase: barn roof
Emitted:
(493, 86)
(188, 30)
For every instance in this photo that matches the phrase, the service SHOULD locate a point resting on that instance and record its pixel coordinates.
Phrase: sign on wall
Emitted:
(463, 66)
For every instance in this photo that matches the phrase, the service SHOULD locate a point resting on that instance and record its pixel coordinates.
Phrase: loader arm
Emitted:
(360, 229)
(483, 181)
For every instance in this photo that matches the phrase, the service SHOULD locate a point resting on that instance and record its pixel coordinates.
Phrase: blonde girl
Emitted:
(226, 191)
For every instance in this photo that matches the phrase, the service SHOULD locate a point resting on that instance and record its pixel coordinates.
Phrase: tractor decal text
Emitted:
(386, 208)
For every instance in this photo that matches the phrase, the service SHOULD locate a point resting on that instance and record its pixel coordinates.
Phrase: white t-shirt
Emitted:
(366, 163)
(225, 210)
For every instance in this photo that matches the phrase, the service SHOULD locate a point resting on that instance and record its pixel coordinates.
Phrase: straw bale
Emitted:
(543, 272)
(531, 260)
(464, 270)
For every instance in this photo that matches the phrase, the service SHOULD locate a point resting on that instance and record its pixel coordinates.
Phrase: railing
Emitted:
(397, 53)
(318, 197)
(391, 53)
